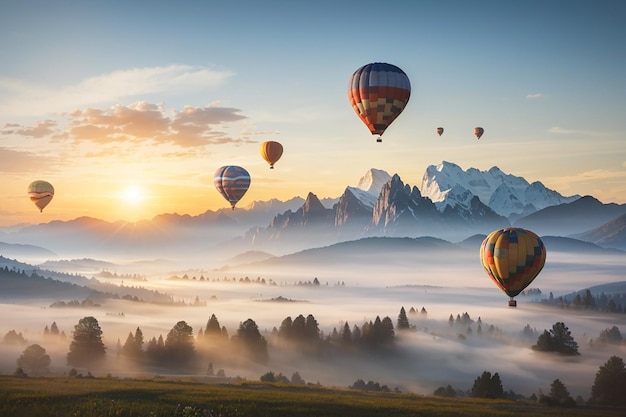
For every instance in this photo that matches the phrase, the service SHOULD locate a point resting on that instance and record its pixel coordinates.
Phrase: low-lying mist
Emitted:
(430, 287)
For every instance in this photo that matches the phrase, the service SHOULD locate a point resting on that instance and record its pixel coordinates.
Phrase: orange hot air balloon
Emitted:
(440, 131)
(40, 193)
(478, 132)
(378, 93)
(271, 151)
(512, 257)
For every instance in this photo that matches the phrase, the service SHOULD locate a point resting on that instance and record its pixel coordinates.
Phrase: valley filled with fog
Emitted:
(340, 284)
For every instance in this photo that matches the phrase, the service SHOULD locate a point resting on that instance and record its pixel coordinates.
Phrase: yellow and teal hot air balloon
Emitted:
(378, 93)
(512, 258)
(40, 193)
(232, 182)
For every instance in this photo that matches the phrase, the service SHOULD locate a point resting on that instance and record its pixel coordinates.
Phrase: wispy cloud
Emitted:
(535, 96)
(20, 98)
(563, 131)
(137, 123)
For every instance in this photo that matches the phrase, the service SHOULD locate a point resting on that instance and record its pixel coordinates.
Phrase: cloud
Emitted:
(137, 123)
(23, 99)
(40, 129)
(534, 96)
(562, 131)
(142, 122)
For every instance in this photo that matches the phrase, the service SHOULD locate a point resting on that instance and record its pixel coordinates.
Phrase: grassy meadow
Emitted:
(108, 397)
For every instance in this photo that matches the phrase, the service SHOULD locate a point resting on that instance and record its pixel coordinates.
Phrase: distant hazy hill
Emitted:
(610, 235)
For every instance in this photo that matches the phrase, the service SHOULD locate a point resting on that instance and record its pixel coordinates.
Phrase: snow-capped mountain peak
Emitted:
(447, 184)
(373, 180)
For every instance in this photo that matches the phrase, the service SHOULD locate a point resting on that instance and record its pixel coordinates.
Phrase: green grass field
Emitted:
(104, 397)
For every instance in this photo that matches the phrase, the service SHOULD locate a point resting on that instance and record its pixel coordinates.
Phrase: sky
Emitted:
(128, 108)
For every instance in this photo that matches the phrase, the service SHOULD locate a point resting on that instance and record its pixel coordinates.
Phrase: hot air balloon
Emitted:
(512, 258)
(40, 193)
(232, 182)
(378, 93)
(271, 151)
(478, 132)
(440, 131)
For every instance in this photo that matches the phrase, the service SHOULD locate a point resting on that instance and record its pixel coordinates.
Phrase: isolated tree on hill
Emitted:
(488, 386)
(179, 346)
(609, 386)
(34, 360)
(403, 320)
(86, 348)
(559, 339)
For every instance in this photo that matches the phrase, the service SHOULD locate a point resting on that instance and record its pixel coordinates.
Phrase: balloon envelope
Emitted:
(232, 182)
(271, 151)
(40, 193)
(440, 131)
(478, 132)
(512, 258)
(378, 93)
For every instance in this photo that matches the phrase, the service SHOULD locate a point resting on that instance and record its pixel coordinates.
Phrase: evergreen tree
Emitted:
(86, 348)
(611, 336)
(285, 328)
(250, 341)
(179, 346)
(311, 328)
(34, 359)
(346, 335)
(403, 320)
(212, 328)
(488, 386)
(559, 339)
(559, 395)
(445, 392)
(609, 386)
(297, 379)
(298, 328)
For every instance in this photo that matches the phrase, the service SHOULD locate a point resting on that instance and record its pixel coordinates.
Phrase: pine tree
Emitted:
(179, 345)
(86, 348)
(559, 339)
(609, 386)
(403, 320)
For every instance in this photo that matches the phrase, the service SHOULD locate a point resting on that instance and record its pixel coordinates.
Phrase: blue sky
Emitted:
(88, 88)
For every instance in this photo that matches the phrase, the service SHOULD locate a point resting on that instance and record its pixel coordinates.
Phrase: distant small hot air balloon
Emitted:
(512, 257)
(378, 93)
(271, 151)
(478, 132)
(232, 182)
(40, 193)
(440, 131)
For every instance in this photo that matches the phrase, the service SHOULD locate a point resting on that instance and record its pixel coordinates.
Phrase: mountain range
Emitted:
(451, 204)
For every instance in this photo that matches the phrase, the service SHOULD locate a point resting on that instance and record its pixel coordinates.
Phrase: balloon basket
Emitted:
(512, 303)
(379, 139)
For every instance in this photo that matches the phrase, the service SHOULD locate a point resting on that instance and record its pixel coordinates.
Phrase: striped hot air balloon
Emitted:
(512, 258)
(271, 151)
(378, 93)
(40, 193)
(232, 182)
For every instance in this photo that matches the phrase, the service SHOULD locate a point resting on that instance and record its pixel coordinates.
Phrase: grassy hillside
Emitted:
(104, 397)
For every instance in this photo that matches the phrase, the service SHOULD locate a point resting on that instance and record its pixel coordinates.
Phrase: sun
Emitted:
(133, 194)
